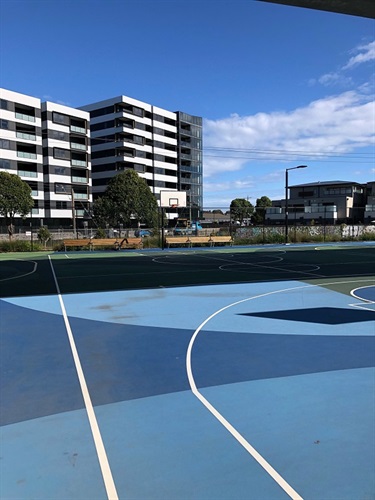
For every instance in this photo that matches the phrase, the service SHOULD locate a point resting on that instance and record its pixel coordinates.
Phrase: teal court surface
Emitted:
(202, 374)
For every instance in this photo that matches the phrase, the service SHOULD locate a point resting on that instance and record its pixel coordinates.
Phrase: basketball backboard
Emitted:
(172, 199)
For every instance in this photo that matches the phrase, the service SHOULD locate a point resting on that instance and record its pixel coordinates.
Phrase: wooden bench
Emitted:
(115, 243)
(177, 240)
(106, 242)
(118, 243)
(77, 244)
(199, 240)
(221, 239)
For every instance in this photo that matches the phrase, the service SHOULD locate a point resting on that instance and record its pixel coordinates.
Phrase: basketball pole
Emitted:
(162, 228)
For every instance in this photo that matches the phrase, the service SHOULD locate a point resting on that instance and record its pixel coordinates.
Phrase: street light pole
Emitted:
(286, 199)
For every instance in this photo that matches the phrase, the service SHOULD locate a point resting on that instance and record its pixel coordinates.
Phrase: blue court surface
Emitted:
(251, 389)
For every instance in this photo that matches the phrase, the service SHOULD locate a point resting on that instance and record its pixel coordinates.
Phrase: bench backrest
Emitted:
(199, 239)
(218, 239)
(177, 239)
(104, 241)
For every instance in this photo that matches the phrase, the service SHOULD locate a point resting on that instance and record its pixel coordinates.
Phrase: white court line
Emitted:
(22, 275)
(250, 449)
(358, 296)
(99, 445)
(251, 264)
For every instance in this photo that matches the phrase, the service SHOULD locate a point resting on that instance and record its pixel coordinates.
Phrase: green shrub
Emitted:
(19, 246)
(100, 234)
(367, 236)
(151, 241)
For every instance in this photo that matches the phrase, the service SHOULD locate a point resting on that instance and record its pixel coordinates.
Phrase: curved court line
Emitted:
(250, 449)
(313, 267)
(359, 297)
(99, 445)
(22, 275)
(268, 267)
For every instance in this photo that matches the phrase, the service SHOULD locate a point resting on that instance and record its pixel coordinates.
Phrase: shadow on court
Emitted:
(78, 272)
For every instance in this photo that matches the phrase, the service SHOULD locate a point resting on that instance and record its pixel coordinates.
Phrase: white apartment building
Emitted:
(163, 147)
(66, 162)
(328, 202)
(47, 145)
(21, 143)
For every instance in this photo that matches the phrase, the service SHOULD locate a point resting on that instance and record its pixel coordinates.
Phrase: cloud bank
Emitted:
(335, 124)
(247, 155)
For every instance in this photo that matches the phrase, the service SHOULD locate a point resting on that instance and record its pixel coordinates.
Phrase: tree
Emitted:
(44, 235)
(241, 209)
(127, 197)
(15, 198)
(260, 209)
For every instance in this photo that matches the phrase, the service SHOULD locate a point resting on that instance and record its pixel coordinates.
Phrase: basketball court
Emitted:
(218, 373)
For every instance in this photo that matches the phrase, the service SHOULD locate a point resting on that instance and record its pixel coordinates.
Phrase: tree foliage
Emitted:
(241, 209)
(44, 235)
(15, 199)
(260, 209)
(127, 197)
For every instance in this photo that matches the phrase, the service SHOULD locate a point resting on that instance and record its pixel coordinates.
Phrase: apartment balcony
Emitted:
(77, 130)
(25, 154)
(79, 180)
(81, 196)
(25, 117)
(27, 173)
(26, 136)
(78, 146)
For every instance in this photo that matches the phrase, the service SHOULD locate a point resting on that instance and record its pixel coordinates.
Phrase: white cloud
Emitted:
(366, 54)
(336, 78)
(335, 124)
(247, 155)
(363, 54)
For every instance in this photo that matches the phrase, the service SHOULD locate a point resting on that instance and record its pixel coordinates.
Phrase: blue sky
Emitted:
(277, 86)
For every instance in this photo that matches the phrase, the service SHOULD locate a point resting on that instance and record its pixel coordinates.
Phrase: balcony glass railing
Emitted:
(80, 196)
(27, 137)
(320, 210)
(23, 154)
(79, 179)
(79, 163)
(80, 213)
(22, 116)
(79, 130)
(76, 145)
(25, 173)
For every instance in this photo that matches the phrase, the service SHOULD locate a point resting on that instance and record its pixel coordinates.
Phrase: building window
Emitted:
(60, 170)
(61, 205)
(4, 163)
(4, 124)
(59, 136)
(128, 108)
(59, 118)
(4, 144)
(3, 104)
(62, 154)
(63, 188)
(139, 168)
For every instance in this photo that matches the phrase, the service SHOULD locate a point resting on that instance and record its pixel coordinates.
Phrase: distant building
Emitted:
(163, 147)
(47, 146)
(330, 202)
(369, 215)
